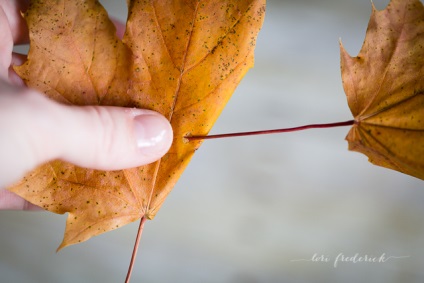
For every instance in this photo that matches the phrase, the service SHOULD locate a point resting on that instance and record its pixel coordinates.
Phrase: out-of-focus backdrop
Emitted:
(258, 209)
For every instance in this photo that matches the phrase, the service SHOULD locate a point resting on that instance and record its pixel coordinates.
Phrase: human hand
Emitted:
(34, 129)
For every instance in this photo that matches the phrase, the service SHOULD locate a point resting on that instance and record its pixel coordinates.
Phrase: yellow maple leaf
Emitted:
(181, 58)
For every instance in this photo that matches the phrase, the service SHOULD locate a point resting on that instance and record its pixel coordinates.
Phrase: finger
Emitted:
(11, 201)
(120, 27)
(6, 45)
(111, 138)
(18, 26)
(17, 60)
(35, 130)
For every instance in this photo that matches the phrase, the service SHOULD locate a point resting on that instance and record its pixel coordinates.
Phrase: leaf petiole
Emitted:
(134, 254)
(276, 131)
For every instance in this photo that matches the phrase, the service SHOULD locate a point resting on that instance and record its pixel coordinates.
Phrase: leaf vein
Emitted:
(221, 39)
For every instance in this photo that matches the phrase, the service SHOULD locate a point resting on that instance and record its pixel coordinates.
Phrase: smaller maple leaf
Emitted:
(384, 86)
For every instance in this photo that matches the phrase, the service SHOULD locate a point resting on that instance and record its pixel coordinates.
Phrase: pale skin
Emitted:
(35, 130)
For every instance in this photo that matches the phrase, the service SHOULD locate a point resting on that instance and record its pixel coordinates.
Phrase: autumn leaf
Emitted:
(181, 58)
(385, 89)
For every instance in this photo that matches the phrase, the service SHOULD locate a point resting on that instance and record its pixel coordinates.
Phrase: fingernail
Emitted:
(152, 133)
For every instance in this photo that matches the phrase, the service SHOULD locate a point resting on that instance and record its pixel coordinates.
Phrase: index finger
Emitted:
(17, 24)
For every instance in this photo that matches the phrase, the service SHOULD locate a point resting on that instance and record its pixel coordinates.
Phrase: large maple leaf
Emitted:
(384, 85)
(182, 58)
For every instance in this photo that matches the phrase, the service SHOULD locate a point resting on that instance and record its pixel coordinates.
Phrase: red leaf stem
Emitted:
(136, 244)
(266, 132)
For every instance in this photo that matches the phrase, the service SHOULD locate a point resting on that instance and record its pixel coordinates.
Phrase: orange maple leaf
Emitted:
(385, 88)
(181, 58)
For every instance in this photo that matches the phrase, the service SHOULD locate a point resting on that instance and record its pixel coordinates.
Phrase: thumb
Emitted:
(35, 130)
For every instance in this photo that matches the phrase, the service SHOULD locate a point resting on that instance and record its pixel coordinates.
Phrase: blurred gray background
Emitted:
(246, 209)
